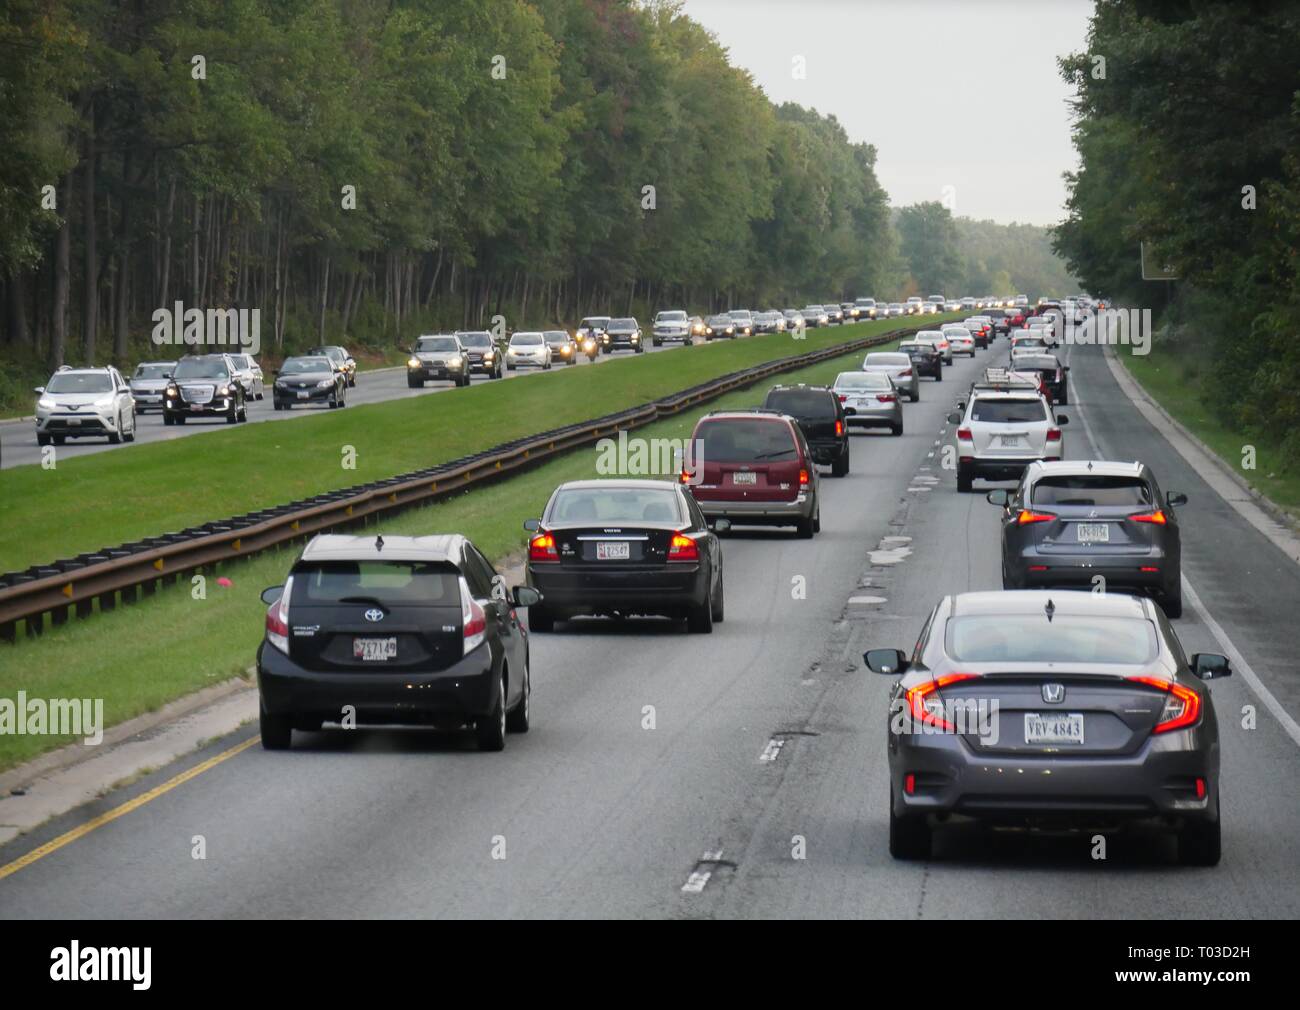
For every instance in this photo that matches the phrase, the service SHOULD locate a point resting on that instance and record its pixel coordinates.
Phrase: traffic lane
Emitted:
(598, 815)
(18, 441)
(834, 791)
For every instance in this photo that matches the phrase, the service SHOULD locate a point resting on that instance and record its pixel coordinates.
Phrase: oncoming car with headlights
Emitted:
(306, 380)
(85, 402)
(438, 357)
(563, 347)
(1058, 710)
(527, 349)
(204, 385)
(481, 351)
(719, 326)
(148, 383)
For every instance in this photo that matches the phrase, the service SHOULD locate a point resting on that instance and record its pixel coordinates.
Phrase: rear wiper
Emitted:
(361, 599)
(770, 455)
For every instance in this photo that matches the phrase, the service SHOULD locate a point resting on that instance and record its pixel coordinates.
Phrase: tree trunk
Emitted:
(59, 309)
(324, 298)
(90, 267)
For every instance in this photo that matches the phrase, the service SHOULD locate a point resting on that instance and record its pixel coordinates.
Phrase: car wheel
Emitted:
(540, 619)
(965, 482)
(909, 837)
(168, 420)
(414, 383)
(804, 527)
(1065, 396)
(719, 608)
(232, 415)
(518, 718)
(896, 430)
(938, 375)
(914, 397)
(334, 399)
(1200, 842)
(277, 730)
(491, 730)
(42, 439)
(700, 620)
(840, 468)
(60, 439)
(115, 437)
(130, 437)
(1172, 601)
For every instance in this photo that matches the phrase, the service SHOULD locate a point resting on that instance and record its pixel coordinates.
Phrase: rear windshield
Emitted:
(1009, 411)
(1088, 490)
(886, 359)
(802, 402)
(740, 440)
(419, 583)
(863, 380)
(615, 505)
(1031, 638)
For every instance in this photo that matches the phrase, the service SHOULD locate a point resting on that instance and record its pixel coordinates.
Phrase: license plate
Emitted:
(1043, 728)
(1093, 533)
(196, 406)
(303, 396)
(1012, 441)
(609, 550)
(744, 478)
(374, 649)
(74, 421)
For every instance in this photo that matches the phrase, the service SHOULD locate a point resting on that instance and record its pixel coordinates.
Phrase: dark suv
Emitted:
(821, 419)
(1092, 525)
(394, 630)
(482, 351)
(204, 385)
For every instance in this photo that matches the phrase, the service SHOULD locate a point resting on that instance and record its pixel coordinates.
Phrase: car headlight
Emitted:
(635, 337)
(489, 355)
(324, 383)
(44, 404)
(171, 391)
(413, 363)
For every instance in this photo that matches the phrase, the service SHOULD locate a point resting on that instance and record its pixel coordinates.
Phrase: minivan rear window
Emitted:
(802, 402)
(410, 583)
(1089, 490)
(741, 440)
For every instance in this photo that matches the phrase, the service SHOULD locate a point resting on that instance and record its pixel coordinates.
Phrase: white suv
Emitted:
(1002, 428)
(82, 402)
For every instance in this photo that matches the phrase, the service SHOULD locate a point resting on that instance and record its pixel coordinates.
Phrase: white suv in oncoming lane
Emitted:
(1002, 428)
(85, 402)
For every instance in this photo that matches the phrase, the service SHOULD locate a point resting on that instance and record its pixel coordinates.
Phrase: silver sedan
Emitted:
(897, 366)
(871, 400)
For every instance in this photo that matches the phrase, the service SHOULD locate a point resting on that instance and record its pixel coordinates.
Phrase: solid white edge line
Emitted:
(1230, 650)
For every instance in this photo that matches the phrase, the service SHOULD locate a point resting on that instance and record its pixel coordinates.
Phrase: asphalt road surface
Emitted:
(706, 814)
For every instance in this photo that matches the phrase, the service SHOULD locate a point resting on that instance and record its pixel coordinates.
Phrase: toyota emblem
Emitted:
(374, 614)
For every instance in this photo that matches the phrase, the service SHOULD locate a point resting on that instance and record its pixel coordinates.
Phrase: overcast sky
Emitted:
(976, 69)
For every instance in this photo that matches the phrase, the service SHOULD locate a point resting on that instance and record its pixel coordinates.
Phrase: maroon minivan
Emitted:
(754, 468)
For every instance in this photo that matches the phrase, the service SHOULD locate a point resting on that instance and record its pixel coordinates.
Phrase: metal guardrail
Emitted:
(70, 587)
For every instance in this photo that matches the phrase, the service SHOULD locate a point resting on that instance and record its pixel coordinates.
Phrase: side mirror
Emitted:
(721, 525)
(40, 390)
(272, 594)
(1175, 498)
(1000, 496)
(1062, 419)
(954, 418)
(532, 525)
(886, 661)
(1065, 368)
(1210, 665)
(525, 596)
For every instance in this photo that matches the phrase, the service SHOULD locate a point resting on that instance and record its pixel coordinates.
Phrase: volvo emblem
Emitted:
(1053, 694)
(375, 614)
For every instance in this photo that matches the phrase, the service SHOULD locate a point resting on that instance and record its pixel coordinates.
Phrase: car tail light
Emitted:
(684, 477)
(1029, 516)
(542, 548)
(886, 397)
(277, 619)
(964, 435)
(1053, 434)
(839, 427)
(804, 478)
(683, 548)
(1200, 788)
(473, 620)
(925, 704)
(905, 374)
(1157, 517)
(843, 398)
(1150, 568)
(909, 783)
(1182, 704)
(1038, 568)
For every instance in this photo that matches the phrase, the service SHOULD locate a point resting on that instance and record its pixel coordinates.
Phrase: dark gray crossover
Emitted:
(1046, 709)
(1095, 525)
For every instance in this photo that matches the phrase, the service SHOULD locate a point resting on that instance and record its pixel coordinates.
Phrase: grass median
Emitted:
(138, 658)
(87, 503)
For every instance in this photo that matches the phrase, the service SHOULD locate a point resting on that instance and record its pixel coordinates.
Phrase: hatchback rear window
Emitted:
(1031, 638)
(411, 583)
(802, 402)
(1009, 411)
(1088, 490)
(741, 440)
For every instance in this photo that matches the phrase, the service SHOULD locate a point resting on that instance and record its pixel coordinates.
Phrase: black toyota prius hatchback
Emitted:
(623, 548)
(384, 631)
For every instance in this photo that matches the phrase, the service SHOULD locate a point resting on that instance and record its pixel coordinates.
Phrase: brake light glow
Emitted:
(1157, 517)
(277, 619)
(683, 548)
(1182, 704)
(909, 783)
(886, 397)
(1053, 434)
(905, 373)
(542, 548)
(804, 478)
(964, 435)
(473, 620)
(839, 427)
(927, 707)
(1030, 516)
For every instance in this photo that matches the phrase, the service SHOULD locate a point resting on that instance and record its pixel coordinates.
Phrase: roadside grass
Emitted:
(91, 502)
(140, 656)
(1165, 376)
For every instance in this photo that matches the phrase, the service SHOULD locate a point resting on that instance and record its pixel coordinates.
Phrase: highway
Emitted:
(761, 790)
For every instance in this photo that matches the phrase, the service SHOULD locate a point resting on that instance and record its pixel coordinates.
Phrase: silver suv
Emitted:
(149, 382)
(85, 402)
(1005, 425)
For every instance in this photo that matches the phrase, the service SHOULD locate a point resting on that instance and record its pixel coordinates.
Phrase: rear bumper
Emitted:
(769, 513)
(885, 416)
(1081, 569)
(827, 451)
(466, 689)
(998, 468)
(594, 590)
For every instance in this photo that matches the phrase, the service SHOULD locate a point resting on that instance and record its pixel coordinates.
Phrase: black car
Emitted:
(1092, 525)
(719, 326)
(926, 358)
(343, 361)
(482, 351)
(820, 416)
(563, 347)
(1050, 368)
(204, 385)
(305, 380)
(394, 631)
(622, 548)
(622, 334)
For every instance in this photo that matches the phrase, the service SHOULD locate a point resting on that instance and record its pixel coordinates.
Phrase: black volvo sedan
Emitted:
(621, 548)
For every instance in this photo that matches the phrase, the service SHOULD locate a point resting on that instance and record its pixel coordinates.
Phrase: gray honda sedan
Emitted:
(1051, 709)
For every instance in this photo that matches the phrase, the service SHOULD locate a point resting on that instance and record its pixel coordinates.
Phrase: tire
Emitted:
(261, 395)
(517, 719)
(540, 620)
(232, 415)
(938, 376)
(414, 383)
(42, 440)
(60, 439)
(169, 420)
(491, 730)
(840, 468)
(700, 619)
(1200, 842)
(965, 482)
(910, 838)
(1172, 601)
(277, 730)
(817, 521)
(115, 437)
(805, 528)
(181, 419)
(130, 437)
(334, 400)
(243, 413)
(657, 342)
(719, 608)
(896, 430)
(914, 397)
(1065, 396)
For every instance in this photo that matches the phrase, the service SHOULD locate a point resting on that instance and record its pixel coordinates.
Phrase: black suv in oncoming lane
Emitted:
(394, 630)
(204, 385)
(820, 416)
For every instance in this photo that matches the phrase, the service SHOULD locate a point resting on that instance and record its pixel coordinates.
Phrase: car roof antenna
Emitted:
(379, 542)
(1049, 610)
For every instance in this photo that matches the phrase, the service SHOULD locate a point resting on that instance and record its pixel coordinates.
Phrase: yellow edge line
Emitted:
(108, 817)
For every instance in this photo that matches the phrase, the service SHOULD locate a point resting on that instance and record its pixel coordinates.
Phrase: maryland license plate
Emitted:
(744, 478)
(612, 550)
(370, 650)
